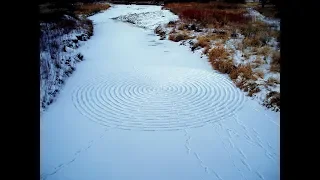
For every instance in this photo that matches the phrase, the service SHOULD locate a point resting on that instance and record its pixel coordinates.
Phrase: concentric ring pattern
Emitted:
(155, 99)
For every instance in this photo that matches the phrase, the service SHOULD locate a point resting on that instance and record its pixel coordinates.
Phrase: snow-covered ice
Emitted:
(142, 108)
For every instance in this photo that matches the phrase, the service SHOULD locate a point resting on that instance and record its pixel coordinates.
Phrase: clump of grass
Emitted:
(252, 42)
(275, 62)
(244, 71)
(275, 57)
(271, 81)
(218, 43)
(218, 59)
(246, 54)
(264, 37)
(248, 86)
(159, 31)
(88, 25)
(223, 66)
(275, 34)
(239, 46)
(259, 73)
(264, 50)
(275, 68)
(254, 65)
(256, 34)
(272, 99)
(218, 53)
(258, 60)
(179, 37)
(253, 91)
(203, 41)
(182, 26)
(249, 30)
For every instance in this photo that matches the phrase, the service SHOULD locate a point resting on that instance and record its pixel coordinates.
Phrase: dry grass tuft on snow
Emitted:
(272, 100)
(264, 50)
(218, 53)
(244, 71)
(223, 66)
(179, 36)
(259, 73)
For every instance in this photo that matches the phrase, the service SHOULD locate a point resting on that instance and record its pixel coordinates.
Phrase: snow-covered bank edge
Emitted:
(59, 42)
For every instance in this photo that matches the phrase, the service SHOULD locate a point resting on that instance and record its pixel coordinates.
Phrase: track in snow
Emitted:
(153, 99)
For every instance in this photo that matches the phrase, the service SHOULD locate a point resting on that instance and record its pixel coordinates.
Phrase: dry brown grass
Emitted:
(217, 14)
(239, 46)
(275, 34)
(257, 34)
(210, 5)
(275, 57)
(252, 42)
(218, 43)
(90, 8)
(181, 26)
(264, 37)
(275, 68)
(254, 65)
(259, 73)
(223, 66)
(258, 60)
(159, 31)
(248, 85)
(173, 31)
(247, 54)
(254, 49)
(264, 50)
(275, 62)
(244, 71)
(203, 41)
(273, 99)
(218, 53)
(251, 4)
(218, 59)
(253, 91)
(271, 81)
(179, 37)
(252, 28)
(87, 24)
(252, 87)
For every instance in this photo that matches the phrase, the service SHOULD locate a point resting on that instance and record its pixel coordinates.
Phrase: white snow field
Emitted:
(139, 108)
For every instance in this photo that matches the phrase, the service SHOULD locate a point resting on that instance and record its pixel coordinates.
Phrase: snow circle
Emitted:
(155, 99)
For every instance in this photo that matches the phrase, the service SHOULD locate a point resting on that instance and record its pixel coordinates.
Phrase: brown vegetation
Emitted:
(90, 8)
